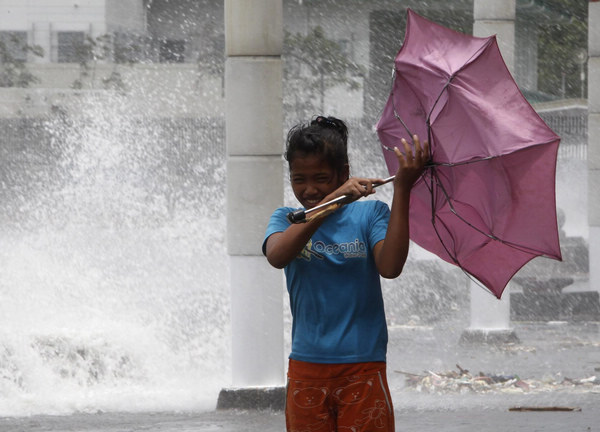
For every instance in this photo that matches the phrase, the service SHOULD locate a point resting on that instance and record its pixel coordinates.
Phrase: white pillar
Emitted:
(594, 142)
(497, 17)
(486, 311)
(254, 121)
(490, 317)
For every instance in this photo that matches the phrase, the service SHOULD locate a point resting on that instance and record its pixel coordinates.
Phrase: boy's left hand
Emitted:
(411, 165)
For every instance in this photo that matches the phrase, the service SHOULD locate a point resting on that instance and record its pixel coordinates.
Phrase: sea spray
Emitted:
(113, 273)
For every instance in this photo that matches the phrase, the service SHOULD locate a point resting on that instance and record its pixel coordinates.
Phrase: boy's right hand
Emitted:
(355, 188)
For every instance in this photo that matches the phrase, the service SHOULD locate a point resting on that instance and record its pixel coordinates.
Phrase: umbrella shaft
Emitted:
(301, 215)
(344, 197)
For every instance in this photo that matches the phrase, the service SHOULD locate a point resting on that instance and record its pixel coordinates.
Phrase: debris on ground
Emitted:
(544, 408)
(462, 381)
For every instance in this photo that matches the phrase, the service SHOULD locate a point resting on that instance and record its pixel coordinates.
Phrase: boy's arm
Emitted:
(282, 247)
(391, 253)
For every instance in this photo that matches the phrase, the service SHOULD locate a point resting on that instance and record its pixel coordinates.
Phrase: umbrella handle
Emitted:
(301, 215)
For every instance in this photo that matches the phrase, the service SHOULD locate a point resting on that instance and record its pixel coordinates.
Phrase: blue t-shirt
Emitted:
(334, 286)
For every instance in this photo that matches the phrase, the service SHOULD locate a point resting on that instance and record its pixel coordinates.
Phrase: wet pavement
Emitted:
(546, 352)
(449, 420)
(559, 362)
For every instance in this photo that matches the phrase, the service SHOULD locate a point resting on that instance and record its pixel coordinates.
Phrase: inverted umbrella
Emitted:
(486, 202)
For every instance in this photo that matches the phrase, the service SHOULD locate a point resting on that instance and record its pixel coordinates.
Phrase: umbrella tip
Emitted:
(297, 216)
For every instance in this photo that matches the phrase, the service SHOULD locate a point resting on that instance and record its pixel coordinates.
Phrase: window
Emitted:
(13, 45)
(172, 51)
(347, 47)
(130, 47)
(71, 47)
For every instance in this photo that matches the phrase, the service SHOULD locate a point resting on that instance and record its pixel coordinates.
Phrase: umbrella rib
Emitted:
(453, 210)
(438, 98)
(454, 258)
(483, 159)
(454, 75)
(459, 265)
(450, 79)
(396, 115)
(453, 164)
(433, 218)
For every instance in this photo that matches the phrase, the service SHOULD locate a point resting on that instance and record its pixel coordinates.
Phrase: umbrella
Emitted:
(486, 202)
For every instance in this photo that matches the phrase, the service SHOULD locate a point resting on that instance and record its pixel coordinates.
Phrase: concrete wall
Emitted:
(198, 22)
(43, 18)
(301, 17)
(129, 15)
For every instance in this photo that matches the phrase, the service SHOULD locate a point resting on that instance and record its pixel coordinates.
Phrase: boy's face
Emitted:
(313, 179)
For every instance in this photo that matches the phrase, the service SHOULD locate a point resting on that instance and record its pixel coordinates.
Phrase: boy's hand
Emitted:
(411, 165)
(355, 188)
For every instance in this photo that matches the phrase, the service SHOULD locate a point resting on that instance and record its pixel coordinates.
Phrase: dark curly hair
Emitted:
(324, 136)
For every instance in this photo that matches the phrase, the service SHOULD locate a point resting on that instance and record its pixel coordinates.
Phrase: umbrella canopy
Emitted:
(487, 201)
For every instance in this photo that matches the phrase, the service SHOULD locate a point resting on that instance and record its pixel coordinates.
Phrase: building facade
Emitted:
(152, 46)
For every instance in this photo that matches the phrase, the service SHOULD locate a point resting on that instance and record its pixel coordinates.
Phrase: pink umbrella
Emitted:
(487, 201)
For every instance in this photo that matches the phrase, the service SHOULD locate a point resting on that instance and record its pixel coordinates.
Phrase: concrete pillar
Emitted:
(594, 142)
(254, 121)
(526, 57)
(497, 17)
(490, 317)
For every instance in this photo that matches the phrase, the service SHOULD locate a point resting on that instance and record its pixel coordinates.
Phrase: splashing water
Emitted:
(113, 292)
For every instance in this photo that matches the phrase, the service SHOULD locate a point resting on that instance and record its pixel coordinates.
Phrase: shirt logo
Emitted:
(354, 249)
(308, 252)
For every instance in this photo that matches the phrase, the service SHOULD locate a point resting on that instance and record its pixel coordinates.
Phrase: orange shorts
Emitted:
(338, 397)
